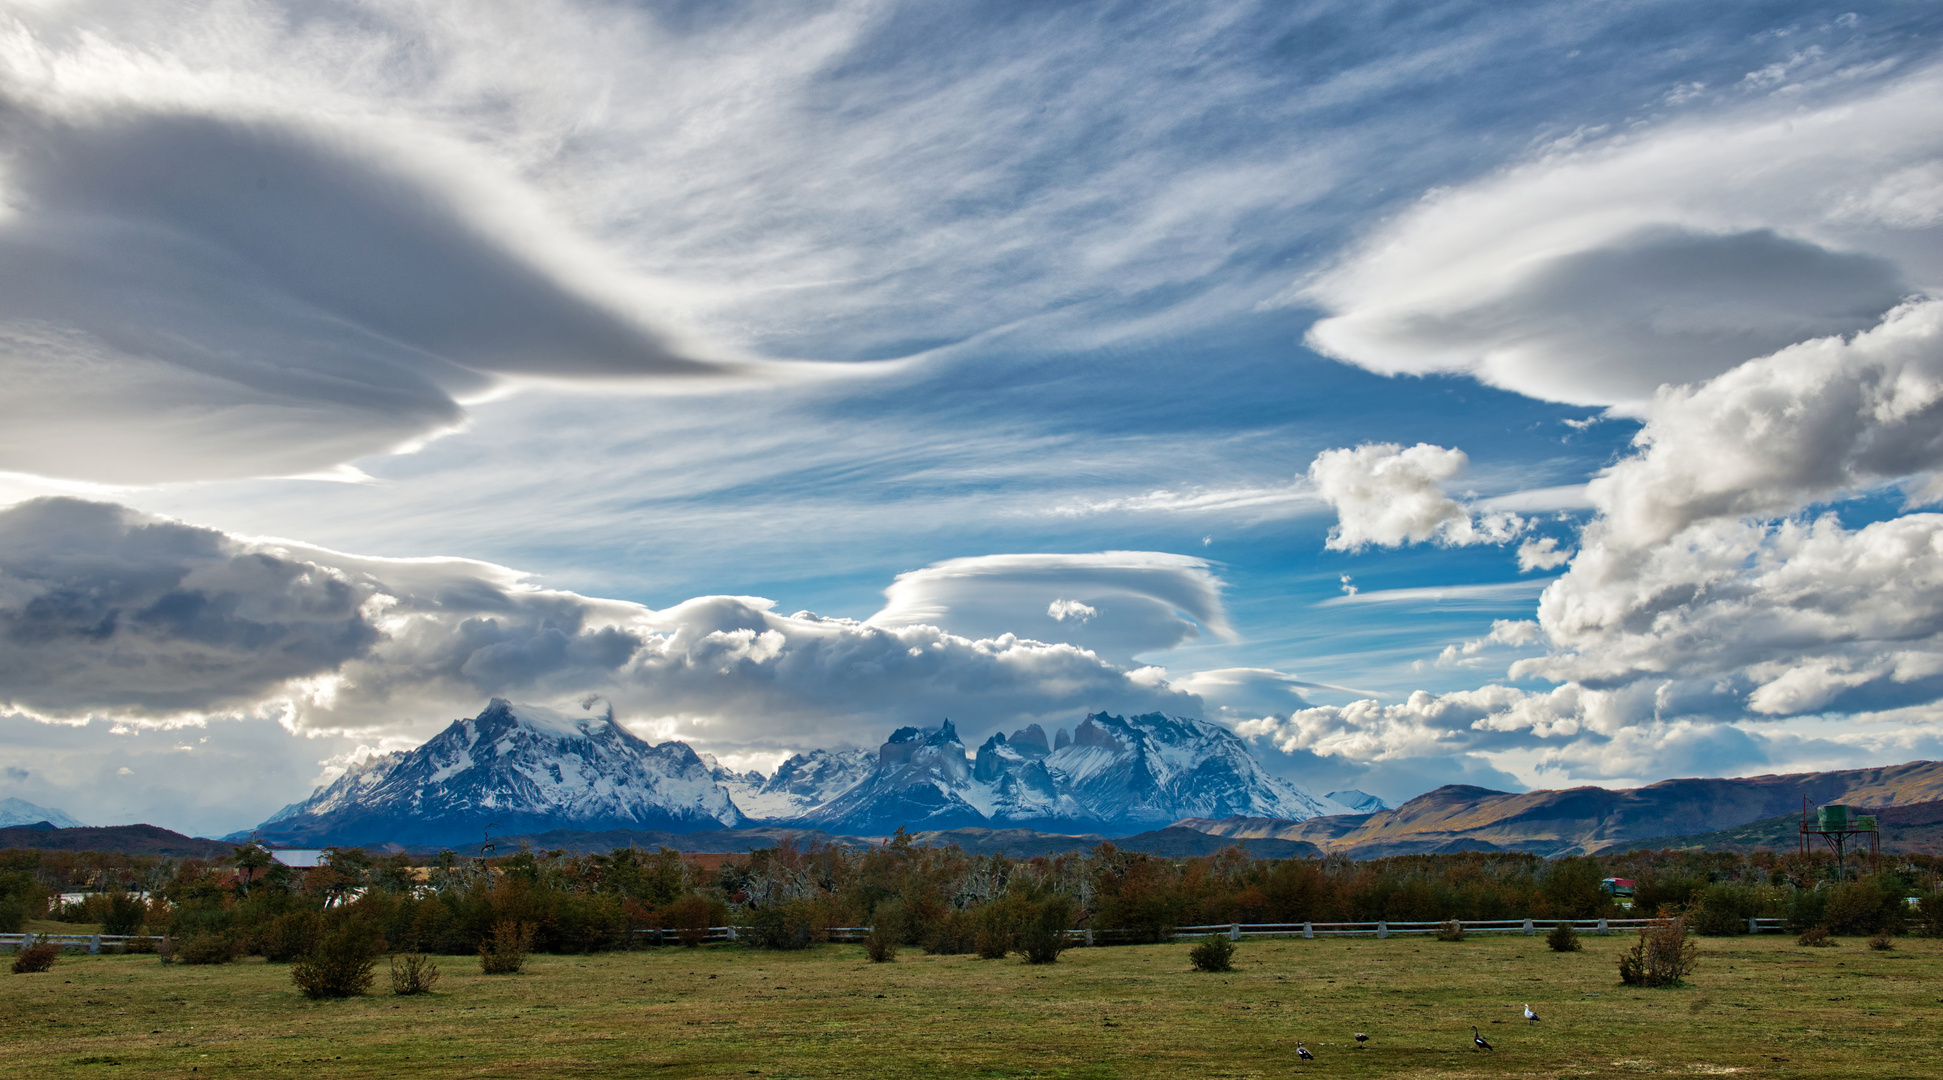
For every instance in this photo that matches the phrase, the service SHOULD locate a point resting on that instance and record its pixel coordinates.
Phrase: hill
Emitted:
(1587, 819)
(1916, 828)
(121, 839)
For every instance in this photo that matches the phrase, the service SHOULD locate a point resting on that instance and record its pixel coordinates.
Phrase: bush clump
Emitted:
(504, 951)
(1663, 957)
(205, 947)
(1882, 943)
(123, 914)
(1451, 931)
(291, 935)
(1042, 929)
(341, 966)
(36, 958)
(1213, 953)
(993, 937)
(1817, 937)
(953, 935)
(792, 925)
(1563, 938)
(886, 931)
(413, 973)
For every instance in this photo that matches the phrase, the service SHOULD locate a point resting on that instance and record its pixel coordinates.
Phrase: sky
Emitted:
(1515, 394)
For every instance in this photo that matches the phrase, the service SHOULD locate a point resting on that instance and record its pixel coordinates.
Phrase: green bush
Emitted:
(205, 947)
(1882, 942)
(504, 953)
(886, 931)
(1042, 929)
(1563, 938)
(342, 964)
(1929, 914)
(953, 935)
(290, 935)
(1723, 910)
(1816, 936)
(1213, 953)
(122, 914)
(793, 924)
(993, 937)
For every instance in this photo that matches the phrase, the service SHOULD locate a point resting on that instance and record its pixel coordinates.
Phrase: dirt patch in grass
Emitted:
(1139, 1011)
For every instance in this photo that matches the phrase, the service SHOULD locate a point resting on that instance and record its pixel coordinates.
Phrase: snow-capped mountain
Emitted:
(21, 812)
(799, 785)
(1110, 773)
(522, 768)
(1358, 802)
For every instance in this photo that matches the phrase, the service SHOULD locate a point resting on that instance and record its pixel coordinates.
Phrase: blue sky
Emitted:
(412, 355)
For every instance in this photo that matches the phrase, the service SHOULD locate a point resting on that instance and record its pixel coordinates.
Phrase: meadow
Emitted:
(1757, 1006)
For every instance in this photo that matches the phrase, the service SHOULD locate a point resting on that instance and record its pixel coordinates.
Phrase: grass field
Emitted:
(1756, 1007)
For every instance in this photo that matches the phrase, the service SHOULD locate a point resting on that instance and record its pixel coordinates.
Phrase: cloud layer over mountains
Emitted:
(112, 613)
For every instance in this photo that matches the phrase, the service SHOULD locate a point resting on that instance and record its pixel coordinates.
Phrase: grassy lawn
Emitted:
(1757, 1006)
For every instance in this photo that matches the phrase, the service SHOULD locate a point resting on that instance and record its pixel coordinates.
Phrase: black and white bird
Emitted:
(1530, 1017)
(1361, 1038)
(1302, 1052)
(1478, 1040)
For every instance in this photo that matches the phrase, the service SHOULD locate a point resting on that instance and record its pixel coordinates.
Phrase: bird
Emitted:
(1361, 1038)
(1302, 1052)
(1478, 1040)
(1530, 1017)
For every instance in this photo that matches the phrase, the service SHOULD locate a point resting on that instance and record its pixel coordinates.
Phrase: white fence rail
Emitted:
(95, 943)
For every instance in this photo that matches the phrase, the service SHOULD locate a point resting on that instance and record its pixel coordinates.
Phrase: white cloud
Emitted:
(1389, 495)
(151, 622)
(1118, 603)
(1542, 553)
(1595, 274)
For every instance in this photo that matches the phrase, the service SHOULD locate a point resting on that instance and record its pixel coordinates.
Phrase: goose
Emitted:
(1361, 1038)
(1302, 1052)
(1530, 1017)
(1477, 1040)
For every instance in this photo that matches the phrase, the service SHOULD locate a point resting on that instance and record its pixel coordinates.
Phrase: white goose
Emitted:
(1530, 1017)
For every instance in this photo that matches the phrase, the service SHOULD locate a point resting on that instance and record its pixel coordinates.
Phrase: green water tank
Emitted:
(1834, 816)
(1864, 822)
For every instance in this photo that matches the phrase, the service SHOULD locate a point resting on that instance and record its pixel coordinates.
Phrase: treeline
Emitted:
(939, 899)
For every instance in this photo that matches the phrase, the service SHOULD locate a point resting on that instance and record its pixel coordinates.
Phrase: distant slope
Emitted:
(1587, 819)
(15, 812)
(1172, 842)
(1917, 828)
(121, 839)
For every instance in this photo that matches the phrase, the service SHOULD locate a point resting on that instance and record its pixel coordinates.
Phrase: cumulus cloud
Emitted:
(118, 615)
(1117, 603)
(1602, 270)
(1389, 495)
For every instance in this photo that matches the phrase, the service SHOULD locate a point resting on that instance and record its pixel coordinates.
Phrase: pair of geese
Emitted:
(1477, 1041)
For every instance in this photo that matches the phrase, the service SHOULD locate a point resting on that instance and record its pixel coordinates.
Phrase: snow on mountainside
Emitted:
(799, 785)
(21, 812)
(1358, 802)
(1110, 773)
(524, 768)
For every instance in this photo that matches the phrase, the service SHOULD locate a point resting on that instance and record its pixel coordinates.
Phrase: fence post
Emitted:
(94, 943)
(1383, 928)
(1602, 926)
(1528, 930)
(1234, 931)
(731, 931)
(1308, 930)
(1089, 937)
(1751, 928)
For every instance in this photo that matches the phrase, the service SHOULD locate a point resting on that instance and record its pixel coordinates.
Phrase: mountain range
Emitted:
(16, 812)
(1587, 819)
(525, 769)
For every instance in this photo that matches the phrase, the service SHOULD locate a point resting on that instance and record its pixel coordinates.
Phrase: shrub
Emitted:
(1929, 914)
(206, 947)
(36, 958)
(953, 935)
(1882, 942)
(1042, 929)
(413, 973)
(140, 943)
(1664, 955)
(122, 914)
(993, 937)
(794, 924)
(1724, 910)
(1563, 938)
(291, 935)
(1451, 931)
(504, 952)
(886, 930)
(341, 965)
(1214, 953)
(1816, 936)
(688, 918)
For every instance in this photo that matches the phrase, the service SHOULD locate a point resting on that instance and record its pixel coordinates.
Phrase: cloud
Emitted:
(1117, 603)
(1596, 273)
(118, 615)
(1389, 496)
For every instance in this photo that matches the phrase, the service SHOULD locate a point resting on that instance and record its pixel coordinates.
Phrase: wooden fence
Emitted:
(95, 943)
